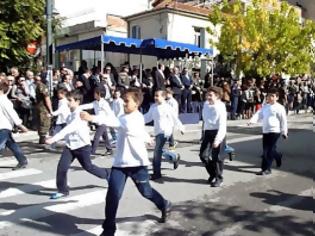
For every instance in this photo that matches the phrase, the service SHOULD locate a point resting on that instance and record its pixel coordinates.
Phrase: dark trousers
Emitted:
(234, 107)
(210, 156)
(101, 130)
(269, 150)
(160, 141)
(186, 101)
(171, 141)
(117, 180)
(83, 156)
(6, 140)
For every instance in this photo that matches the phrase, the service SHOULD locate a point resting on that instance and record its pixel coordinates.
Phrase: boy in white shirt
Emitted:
(78, 146)
(164, 122)
(130, 160)
(9, 118)
(170, 100)
(214, 125)
(118, 109)
(274, 121)
(99, 105)
(62, 112)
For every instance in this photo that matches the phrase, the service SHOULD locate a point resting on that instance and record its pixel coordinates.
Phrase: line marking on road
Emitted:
(19, 173)
(11, 217)
(28, 188)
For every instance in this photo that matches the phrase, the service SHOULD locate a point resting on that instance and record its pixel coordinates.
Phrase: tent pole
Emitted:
(212, 71)
(102, 55)
(140, 67)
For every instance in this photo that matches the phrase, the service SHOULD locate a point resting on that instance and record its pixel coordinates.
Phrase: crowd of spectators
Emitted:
(242, 97)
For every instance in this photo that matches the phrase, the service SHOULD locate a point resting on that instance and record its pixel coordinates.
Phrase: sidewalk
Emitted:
(33, 136)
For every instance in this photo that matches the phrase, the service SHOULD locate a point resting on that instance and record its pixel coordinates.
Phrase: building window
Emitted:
(136, 32)
(197, 39)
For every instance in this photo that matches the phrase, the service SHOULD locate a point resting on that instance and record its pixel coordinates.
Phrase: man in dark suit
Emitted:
(187, 92)
(176, 85)
(159, 83)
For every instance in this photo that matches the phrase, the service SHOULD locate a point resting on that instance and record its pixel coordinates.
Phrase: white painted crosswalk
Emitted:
(19, 173)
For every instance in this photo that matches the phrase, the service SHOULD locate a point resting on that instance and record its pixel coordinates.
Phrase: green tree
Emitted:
(21, 21)
(263, 37)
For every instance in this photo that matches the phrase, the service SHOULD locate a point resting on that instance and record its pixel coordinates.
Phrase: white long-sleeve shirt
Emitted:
(118, 106)
(165, 120)
(131, 150)
(274, 118)
(98, 106)
(62, 112)
(77, 132)
(174, 104)
(8, 116)
(215, 118)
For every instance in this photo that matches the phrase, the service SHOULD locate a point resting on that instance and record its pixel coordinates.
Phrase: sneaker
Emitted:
(166, 212)
(58, 195)
(155, 177)
(217, 183)
(279, 161)
(173, 147)
(108, 153)
(176, 163)
(211, 179)
(20, 166)
(265, 172)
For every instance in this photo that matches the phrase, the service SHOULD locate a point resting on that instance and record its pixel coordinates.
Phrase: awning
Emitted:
(111, 43)
(160, 48)
(170, 49)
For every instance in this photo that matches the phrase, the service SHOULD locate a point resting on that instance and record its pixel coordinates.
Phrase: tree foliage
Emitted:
(263, 37)
(21, 21)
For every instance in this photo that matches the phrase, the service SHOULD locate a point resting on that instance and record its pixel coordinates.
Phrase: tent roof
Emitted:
(151, 47)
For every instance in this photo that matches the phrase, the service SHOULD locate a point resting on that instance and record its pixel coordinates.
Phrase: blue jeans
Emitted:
(117, 180)
(160, 140)
(6, 139)
(83, 156)
(269, 150)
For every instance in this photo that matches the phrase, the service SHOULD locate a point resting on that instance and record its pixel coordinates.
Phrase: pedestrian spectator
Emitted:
(176, 85)
(159, 82)
(186, 92)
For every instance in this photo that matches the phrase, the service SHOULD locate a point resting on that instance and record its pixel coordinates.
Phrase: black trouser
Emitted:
(83, 156)
(186, 101)
(210, 156)
(269, 150)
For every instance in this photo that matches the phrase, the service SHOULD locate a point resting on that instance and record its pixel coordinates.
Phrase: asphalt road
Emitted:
(246, 204)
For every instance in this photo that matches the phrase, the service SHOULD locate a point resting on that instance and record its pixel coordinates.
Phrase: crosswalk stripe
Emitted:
(28, 188)
(8, 162)
(243, 139)
(9, 218)
(19, 173)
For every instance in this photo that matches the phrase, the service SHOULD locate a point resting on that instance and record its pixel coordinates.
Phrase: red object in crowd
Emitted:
(258, 107)
(32, 48)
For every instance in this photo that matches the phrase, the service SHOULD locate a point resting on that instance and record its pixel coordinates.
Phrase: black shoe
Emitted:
(217, 183)
(211, 179)
(166, 212)
(265, 172)
(279, 161)
(176, 163)
(108, 153)
(20, 166)
(155, 177)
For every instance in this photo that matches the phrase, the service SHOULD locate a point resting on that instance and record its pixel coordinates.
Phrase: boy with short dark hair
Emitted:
(215, 122)
(130, 160)
(78, 146)
(165, 121)
(99, 105)
(274, 123)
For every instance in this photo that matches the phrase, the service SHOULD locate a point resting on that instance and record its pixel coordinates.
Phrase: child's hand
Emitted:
(151, 143)
(215, 145)
(182, 132)
(284, 136)
(86, 116)
(23, 129)
(48, 140)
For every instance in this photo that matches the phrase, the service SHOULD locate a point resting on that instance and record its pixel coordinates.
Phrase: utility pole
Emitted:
(49, 65)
